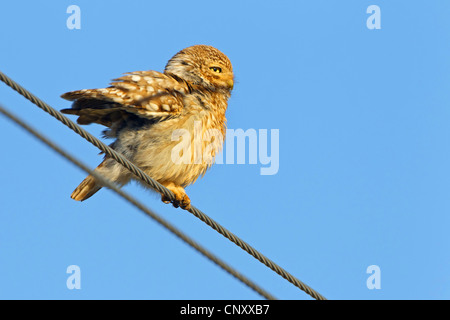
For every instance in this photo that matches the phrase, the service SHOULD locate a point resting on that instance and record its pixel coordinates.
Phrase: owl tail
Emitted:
(87, 188)
(109, 169)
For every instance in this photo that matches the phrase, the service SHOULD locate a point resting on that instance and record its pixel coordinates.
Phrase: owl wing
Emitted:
(147, 94)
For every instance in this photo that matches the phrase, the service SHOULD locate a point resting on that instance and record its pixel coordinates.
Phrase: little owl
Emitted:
(143, 109)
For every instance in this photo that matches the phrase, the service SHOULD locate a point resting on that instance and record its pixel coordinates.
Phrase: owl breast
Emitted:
(177, 150)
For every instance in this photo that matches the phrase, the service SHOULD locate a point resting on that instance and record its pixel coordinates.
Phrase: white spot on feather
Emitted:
(154, 106)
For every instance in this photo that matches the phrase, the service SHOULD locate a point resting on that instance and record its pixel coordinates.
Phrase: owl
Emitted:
(149, 114)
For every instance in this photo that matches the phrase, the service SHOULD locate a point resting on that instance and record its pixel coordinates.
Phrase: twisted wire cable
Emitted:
(138, 205)
(160, 188)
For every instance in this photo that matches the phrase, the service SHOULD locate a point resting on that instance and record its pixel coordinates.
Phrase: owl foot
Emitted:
(181, 198)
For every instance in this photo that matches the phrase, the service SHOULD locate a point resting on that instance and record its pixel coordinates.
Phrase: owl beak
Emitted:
(230, 83)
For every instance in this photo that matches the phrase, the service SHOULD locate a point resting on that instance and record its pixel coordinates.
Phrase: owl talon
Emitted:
(181, 198)
(185, 203)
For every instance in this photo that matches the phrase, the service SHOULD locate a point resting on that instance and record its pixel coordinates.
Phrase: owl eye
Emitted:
(216, 69)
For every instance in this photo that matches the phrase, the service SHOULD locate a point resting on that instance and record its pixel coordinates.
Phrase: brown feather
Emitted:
(87, 188)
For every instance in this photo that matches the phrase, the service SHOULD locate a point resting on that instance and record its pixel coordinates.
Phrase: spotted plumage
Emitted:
(145, 110)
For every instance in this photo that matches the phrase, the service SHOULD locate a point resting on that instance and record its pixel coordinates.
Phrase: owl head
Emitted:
(204, 66)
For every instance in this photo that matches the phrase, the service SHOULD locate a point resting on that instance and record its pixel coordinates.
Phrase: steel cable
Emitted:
(160, 188)
(139, 205)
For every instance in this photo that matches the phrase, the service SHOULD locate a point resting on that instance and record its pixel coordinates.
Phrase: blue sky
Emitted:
(364, 153)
